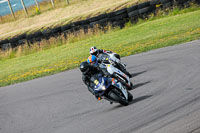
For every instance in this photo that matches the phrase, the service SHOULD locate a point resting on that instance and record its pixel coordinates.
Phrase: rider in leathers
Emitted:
(87, 72)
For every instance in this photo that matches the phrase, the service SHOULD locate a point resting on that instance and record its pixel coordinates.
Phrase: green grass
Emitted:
(138, 38)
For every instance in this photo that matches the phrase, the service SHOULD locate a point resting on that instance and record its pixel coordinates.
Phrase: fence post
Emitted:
(37, 4)
(52, 2)
(11, 10)
(67, 1)
(1, 18)
(22, 1)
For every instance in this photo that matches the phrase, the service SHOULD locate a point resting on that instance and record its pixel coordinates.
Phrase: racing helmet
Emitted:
(84, 67)
(93, 50)
(92, 60)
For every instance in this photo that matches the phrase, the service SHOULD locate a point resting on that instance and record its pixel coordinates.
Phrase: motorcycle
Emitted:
(117, 73)
(111, 90)
(114, 59)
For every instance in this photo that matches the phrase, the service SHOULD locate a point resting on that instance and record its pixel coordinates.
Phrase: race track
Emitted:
(166, 99)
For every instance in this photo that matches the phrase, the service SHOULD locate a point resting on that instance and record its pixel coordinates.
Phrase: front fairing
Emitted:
(101, 85)
(113, 70)
(120, 87)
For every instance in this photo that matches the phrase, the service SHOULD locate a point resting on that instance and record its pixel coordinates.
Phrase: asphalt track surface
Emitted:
(166, 99)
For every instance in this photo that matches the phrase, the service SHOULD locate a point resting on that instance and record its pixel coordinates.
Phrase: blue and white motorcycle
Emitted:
(107, 64)
(113, 59)
(111, 89)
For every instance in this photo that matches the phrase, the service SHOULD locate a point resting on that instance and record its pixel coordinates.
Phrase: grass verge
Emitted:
(142, 37)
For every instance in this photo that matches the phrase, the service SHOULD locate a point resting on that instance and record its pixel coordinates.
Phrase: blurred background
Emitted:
(16, 5)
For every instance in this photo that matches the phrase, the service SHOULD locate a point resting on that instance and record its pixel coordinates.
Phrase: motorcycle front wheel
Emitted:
(115, 96)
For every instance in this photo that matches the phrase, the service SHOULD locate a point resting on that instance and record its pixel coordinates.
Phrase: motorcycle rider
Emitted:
(87, 72)
(97, 52)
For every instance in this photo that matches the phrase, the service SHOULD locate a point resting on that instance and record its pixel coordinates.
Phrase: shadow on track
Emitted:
(136, 74)
(139, 99)
(140, 84)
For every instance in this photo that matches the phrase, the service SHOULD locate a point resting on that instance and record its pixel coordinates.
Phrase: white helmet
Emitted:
(93, 51)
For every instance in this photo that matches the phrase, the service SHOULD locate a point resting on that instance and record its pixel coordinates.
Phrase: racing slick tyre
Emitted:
(117, 56)
(127, 73)
(130, 97)
(116, 97)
